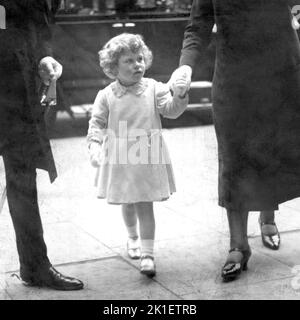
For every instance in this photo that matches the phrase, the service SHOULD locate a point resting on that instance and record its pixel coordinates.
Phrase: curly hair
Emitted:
(115, 47)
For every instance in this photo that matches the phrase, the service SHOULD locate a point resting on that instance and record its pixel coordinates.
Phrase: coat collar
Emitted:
(137, 89)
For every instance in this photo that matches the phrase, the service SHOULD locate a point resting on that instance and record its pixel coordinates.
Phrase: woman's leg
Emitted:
(238, 225)
(267, 220)
(239, 252)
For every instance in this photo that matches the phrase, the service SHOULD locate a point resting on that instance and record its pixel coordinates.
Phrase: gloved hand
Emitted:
(49, 70)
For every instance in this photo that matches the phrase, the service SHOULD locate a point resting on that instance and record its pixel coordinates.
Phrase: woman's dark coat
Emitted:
(24, 42)
(256, 98)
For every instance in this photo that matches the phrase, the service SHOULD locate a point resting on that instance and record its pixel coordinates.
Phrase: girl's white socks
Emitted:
(147, 247)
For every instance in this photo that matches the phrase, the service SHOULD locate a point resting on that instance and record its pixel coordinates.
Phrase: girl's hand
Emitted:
(180, 80)
(180, 86)
(95, 154)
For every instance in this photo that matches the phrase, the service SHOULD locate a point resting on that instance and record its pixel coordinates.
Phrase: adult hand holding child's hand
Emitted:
(95, 154)
(180, 80)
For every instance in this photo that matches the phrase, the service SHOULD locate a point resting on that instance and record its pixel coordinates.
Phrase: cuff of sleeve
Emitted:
(183, 98)
(46, 51)
(189, 59)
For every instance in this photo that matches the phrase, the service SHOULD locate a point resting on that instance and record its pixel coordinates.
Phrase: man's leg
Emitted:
(35, 267)
(24, 210)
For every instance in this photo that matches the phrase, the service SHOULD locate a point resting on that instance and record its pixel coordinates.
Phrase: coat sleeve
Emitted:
(99, 119)
(39, 22)
(168, 106)
(198, 32)
(292, 3)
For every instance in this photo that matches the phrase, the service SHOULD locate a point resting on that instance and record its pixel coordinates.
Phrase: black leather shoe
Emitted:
(51, 278)
(270, 241)
(232, 269)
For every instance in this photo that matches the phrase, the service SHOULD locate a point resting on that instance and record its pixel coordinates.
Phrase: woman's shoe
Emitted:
(133, 248)
(233, 268)
(271, 241)
(148, 266)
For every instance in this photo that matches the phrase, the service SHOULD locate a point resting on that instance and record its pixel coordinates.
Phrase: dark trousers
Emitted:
(17, 146)
(24, 210)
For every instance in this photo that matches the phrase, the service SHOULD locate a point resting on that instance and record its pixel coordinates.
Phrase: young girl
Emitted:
(125, 140)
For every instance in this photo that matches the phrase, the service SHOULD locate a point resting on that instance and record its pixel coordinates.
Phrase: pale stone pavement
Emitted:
(86, 238)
